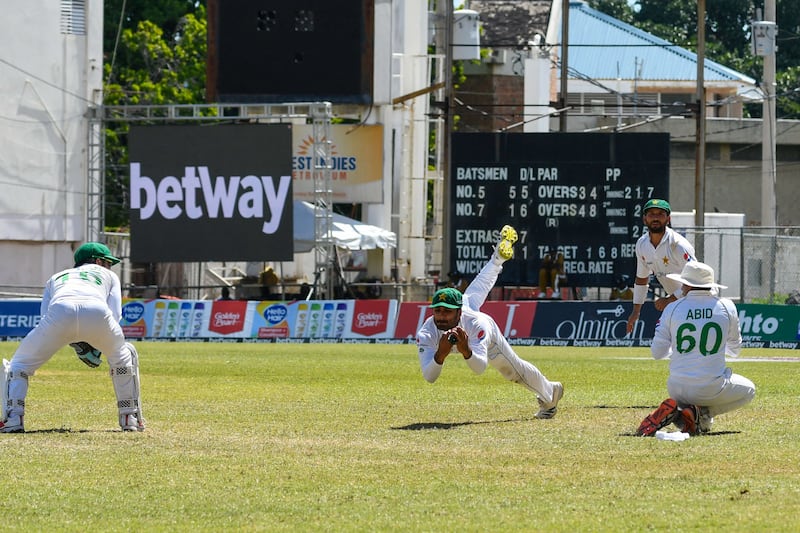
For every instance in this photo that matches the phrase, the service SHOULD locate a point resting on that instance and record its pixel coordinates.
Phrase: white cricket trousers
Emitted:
(501, 355)
(516, 369)
(725, 393)
(71, 321)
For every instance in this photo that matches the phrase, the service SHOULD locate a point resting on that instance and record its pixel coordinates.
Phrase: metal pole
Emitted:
(742, 270)
(769, 211)
(700, 132)
(446, 8)
(562, 101)
(769, 215)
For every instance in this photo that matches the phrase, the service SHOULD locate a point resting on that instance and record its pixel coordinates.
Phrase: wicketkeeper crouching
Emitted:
(85, 299)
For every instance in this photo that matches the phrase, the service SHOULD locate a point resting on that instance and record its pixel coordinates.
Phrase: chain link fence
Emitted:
(758, 264)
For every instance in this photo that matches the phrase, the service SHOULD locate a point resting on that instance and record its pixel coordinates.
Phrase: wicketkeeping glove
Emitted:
(87, 353)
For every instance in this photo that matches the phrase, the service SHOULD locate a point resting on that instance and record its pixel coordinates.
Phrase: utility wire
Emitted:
(116, 43)
(49, 84)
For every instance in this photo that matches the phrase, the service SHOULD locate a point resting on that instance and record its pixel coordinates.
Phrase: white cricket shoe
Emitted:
(705, 420)
(12, 424)
(130, 422)
(548, 410)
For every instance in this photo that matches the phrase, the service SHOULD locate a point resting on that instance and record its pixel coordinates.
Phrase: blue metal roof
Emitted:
(613, 49)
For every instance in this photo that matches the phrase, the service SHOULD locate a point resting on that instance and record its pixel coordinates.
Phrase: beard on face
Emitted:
(655, 227)
(443, 326)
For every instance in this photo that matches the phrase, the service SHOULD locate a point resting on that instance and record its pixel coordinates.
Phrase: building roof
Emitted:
(604, 48)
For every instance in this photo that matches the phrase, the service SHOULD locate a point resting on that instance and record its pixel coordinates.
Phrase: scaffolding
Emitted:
(319, 114)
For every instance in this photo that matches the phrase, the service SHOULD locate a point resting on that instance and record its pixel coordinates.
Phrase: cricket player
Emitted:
(84, 304)
(696, 333)
(458, 326)
(660, 251)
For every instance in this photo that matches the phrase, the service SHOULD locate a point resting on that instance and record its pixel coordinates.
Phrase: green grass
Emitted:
(272, 437)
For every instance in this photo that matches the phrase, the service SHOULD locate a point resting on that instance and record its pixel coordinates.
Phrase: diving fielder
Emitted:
(459, 327)
(83, 303)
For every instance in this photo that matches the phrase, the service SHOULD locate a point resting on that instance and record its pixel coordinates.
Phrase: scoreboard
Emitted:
(580, 194)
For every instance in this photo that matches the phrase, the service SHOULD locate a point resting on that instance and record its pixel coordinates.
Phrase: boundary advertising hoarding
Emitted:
(356, 163)
(522, 322)
(317, 320)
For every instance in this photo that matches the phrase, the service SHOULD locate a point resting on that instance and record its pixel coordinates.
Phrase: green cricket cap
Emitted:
(94, 250)
(447, 297)
(659, 204)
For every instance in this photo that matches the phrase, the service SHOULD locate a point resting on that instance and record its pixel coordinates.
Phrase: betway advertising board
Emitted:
(522, 322)
(211, 193)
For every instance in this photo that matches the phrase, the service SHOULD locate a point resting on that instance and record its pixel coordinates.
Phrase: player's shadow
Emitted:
(68, 430)
(419, 426)
(53, 430)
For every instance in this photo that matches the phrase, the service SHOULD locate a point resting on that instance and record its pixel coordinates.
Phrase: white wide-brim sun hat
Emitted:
(697, 274)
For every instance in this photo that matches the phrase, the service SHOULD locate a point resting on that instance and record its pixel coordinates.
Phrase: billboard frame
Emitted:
(318, 114)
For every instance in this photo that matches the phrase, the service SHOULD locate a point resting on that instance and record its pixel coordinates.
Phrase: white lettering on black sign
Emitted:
(577, 195)
(196, 195)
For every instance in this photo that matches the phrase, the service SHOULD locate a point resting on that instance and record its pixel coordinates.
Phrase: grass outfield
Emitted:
(274, 437)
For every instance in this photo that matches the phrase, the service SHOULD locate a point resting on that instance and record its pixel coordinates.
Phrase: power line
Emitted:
(116, 43)
(49, 84)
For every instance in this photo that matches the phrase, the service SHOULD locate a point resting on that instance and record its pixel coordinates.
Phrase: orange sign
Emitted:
(356, 163)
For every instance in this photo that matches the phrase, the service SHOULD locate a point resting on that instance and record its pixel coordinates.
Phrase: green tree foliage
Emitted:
(156, 68)
(728, 37)
(166, 14)
(155, 63)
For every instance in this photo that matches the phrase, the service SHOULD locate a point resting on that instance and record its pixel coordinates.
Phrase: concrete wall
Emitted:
(50, 75)
(733, 167)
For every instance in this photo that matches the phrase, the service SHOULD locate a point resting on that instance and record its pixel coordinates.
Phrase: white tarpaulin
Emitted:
(346, 233)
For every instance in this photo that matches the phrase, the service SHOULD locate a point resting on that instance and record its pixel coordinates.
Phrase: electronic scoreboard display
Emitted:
(580, 194)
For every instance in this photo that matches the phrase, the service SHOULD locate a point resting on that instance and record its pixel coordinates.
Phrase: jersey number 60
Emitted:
(687, 341)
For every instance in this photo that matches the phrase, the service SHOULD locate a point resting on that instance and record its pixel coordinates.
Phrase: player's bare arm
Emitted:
(639, 295)
(662, 303)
